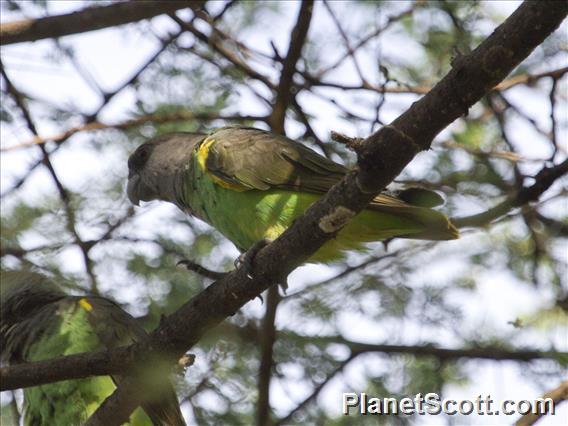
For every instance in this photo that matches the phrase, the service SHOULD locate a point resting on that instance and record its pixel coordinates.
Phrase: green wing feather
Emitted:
(256, 159)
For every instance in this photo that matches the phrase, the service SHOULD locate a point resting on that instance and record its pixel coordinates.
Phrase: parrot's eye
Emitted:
(139, 158)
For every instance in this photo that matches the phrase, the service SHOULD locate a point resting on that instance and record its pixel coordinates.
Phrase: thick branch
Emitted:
(64, 368)
(117, 361)
(88, 19)
(119, 405)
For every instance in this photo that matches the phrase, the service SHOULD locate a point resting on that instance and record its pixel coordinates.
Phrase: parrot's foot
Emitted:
(246, 260)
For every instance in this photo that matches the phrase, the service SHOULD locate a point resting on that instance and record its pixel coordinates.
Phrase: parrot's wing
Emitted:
(115, 327)
(246, 159)
(27, 307)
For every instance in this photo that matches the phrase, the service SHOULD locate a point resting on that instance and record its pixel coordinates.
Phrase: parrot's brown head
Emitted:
(156, 168)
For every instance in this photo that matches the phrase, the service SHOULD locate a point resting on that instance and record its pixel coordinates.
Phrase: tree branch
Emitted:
(201, 270)
(543, 180)
(267, 339)
(526, 78)
(138, 121)
(122, 360)
(286, 419)
(283, 92)
(76, 366)
(218, 47)
(88, 19)
(250, 332)
(64, 193)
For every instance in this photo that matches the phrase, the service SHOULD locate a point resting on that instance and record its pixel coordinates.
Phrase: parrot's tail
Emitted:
(381, 223)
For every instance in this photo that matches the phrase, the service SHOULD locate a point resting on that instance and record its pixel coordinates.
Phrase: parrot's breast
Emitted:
(244, 217)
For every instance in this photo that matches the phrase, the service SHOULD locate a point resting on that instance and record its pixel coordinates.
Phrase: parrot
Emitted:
(251, 184)
(39, 321)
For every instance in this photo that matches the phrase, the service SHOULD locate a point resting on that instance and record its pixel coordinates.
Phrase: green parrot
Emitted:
(38, 322)
(251, 184)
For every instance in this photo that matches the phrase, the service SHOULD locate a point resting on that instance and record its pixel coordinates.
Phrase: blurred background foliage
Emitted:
(502, 285)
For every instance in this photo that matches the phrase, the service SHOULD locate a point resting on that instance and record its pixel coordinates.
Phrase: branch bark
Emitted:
(82, 365)
(88, 19)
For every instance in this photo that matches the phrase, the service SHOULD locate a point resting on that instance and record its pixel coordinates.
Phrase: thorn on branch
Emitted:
(186, 361)
(277, 55)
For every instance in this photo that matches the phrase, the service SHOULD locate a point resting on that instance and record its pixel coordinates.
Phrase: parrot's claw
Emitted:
(284, 285)
(246, 259)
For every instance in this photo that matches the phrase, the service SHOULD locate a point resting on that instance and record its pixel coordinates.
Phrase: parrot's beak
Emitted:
(132, 189)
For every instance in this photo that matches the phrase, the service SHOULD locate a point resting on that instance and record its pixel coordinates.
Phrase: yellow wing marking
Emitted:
(202, 154)
(85, 304)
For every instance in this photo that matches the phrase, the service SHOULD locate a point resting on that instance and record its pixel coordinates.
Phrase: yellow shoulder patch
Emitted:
(202, 155)
(203, 152)
(84, 303)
